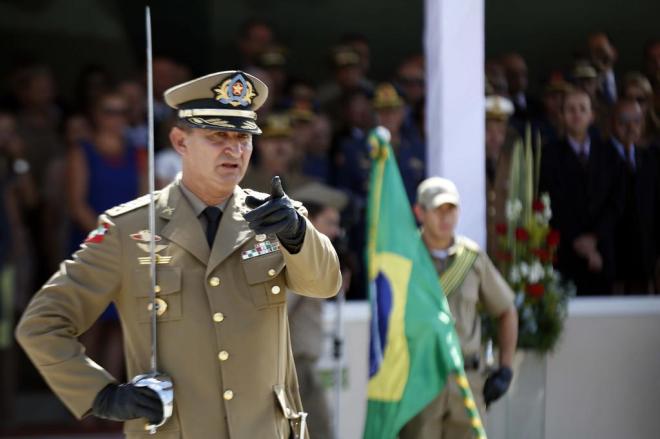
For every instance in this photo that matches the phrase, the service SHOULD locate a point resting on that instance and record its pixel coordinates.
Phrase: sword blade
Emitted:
(152, 203)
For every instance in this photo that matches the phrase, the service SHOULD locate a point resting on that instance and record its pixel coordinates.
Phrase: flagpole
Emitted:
(338, 355)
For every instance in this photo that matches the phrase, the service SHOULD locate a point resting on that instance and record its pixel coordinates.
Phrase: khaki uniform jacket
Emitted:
(482, 284)
(497, 193)
(217, 301)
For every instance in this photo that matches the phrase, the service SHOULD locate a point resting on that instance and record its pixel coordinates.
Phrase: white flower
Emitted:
(536, 272)
(513, 210)
(524, 269)
(547, 211)
(514, 275)
(540, 218)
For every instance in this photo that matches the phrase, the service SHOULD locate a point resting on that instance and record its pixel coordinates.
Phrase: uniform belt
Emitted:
(471, 362)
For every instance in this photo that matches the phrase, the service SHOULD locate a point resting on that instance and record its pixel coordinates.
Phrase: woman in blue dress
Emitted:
(102, 173)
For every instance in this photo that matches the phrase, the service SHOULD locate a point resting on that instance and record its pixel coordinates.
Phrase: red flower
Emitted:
(500, 229)
(542, 254)
(503, 256)
(553, 238)
(535, 290)
(537, 206)
(522, 234)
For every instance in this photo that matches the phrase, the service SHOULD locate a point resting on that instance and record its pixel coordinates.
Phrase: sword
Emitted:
(154, 380)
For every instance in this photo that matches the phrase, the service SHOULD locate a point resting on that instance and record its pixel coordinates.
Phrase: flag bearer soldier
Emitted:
(468, 277)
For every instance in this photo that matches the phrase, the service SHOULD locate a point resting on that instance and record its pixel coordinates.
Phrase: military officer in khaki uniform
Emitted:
(225, 258)
(500, 138)
(468, 278)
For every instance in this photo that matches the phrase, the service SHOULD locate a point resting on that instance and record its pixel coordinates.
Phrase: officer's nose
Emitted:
(234, 148)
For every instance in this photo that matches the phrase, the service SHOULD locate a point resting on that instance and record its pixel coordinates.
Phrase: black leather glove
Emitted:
(121, 402)
(276, 214)
(497, 384)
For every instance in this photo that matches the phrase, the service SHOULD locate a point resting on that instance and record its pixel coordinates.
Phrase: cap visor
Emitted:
(239, 124)
(441, 199)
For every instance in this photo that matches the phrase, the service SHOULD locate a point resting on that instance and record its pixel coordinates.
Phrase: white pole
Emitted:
(454, 47)
(338, 355)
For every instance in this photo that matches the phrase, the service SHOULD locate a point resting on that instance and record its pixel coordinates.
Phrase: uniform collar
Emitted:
(196, 203)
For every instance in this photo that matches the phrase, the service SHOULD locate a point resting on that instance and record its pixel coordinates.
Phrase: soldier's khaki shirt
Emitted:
(223, 337)
(483, 284)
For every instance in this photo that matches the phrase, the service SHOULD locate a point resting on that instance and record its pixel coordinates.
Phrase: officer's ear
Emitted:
(178, 138)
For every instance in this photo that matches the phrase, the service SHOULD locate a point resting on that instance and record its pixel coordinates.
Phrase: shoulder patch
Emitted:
(300, 208)
(131, 205)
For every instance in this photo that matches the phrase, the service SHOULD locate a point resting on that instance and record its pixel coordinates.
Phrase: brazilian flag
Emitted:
(414, 349)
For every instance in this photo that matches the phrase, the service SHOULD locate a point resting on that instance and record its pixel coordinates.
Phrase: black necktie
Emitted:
(213, 216)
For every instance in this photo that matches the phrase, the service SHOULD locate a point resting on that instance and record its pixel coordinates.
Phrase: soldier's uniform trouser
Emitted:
(313, 397)
(446, 417)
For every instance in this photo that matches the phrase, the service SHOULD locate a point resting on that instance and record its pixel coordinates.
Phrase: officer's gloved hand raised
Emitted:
(276, 215)
(121, 402)
(497, 384)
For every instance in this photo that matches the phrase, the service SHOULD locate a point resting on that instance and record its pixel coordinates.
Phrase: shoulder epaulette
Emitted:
(254, 193)
(131, 205)
(469, 244)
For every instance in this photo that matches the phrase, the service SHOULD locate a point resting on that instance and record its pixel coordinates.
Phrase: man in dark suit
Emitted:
(583, 179)
(636, 238)
(527, 109)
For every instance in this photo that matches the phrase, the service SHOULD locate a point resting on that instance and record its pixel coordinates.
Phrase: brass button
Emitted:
(214, 281)
(157, 289)
(272, 272)
(223, 355)
(218, 317)
(275, 290)
(228, 395)
(161, 307)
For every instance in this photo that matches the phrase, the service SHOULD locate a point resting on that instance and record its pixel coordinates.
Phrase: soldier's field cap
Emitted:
(344, 56)
(225, 101)
(277, 125)
(584, 70)
(436, 191)
(272, 56)
(498, 108)
(387, 96)
(321, 194)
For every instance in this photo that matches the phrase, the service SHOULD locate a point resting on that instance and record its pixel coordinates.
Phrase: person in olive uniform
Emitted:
(500, 138)
(468, 278)
(306, 313)
(225, 258)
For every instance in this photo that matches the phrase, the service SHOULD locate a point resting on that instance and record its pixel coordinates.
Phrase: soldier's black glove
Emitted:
(121, 402)
(497, 384)
(276, 214)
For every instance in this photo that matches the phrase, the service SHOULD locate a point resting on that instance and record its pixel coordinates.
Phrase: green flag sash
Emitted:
(454, 276)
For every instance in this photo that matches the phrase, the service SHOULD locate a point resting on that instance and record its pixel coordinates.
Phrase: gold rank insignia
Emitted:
(146, 260)
(235, 91)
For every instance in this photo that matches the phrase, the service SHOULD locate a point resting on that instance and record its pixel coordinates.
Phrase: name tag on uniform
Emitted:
(260, 249)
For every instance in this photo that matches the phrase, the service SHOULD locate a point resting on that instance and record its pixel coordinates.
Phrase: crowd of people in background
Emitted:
(64, 162)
